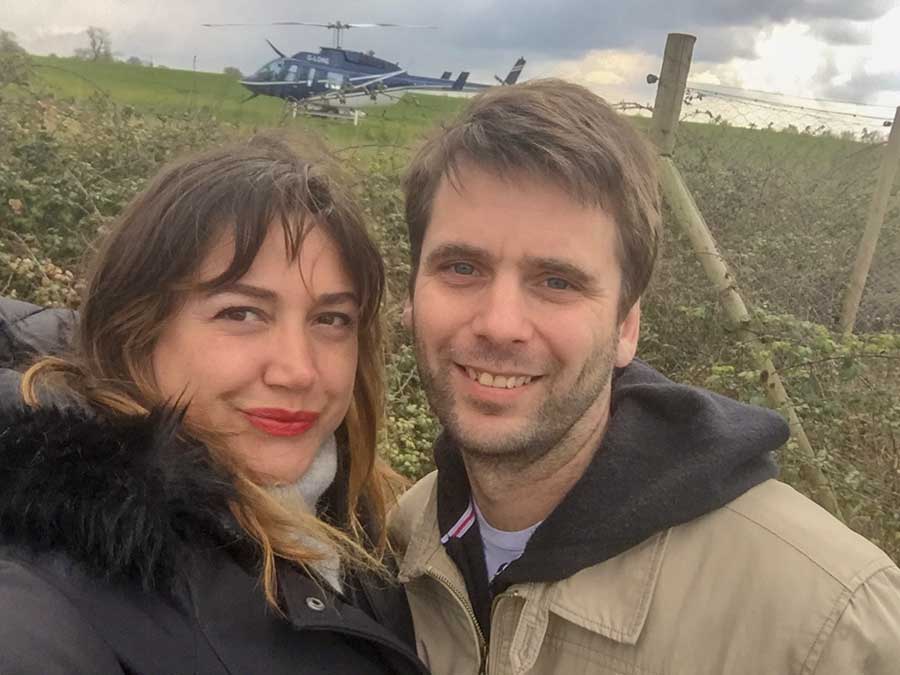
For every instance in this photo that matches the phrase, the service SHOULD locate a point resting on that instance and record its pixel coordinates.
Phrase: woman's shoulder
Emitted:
(119, 497)
(43, 627)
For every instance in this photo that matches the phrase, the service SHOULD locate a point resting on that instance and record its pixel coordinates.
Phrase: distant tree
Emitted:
(9, 44)
(100, 45)
(134, 61)
(231, 71)
(15, 66)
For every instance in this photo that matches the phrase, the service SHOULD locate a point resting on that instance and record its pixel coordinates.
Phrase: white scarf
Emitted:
(305, 494)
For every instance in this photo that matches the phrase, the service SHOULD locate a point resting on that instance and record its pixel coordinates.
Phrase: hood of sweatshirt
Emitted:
(670, 454)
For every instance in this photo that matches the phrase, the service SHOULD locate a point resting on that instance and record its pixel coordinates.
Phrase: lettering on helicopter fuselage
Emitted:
(319, 59)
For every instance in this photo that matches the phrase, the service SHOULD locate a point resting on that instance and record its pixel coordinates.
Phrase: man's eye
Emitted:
(557, 284)
(335, 319)
(465, 269)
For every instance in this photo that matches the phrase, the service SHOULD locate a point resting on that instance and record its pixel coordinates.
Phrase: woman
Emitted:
(196, 490)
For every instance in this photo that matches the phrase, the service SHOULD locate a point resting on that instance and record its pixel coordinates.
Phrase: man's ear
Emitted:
(629, 332)
(406, 317)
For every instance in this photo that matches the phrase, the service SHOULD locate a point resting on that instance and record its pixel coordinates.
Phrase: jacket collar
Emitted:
(670, 454)
(611, 598)
(125, 497)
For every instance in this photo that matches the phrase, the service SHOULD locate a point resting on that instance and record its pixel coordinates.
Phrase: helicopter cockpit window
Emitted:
(271, 72)
(334, 80)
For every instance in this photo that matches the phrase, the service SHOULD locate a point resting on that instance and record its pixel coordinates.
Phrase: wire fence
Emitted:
(785, 184)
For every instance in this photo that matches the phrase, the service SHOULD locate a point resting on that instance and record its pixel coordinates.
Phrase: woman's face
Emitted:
(269, 360)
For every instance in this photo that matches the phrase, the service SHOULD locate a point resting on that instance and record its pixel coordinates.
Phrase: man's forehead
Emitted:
(520, 213)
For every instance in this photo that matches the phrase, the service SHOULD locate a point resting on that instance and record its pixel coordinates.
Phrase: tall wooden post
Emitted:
(666, 111)
(670, 91)
(874, 221)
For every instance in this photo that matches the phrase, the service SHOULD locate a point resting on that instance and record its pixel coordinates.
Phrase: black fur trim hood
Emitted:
(119, 496)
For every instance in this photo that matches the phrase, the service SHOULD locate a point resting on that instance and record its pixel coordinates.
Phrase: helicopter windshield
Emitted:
(271, 72)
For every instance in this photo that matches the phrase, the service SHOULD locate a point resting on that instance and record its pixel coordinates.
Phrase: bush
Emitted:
(66, 169)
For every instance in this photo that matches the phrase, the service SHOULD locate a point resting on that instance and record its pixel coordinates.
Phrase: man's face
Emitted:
(514, 313)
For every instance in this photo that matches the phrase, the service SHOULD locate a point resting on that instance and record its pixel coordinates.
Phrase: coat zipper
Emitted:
(482, 642)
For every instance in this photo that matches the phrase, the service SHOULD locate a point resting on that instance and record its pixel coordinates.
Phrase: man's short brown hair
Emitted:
(557, 131)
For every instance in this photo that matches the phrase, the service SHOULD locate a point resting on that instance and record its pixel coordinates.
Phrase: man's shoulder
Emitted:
(778, 526)
(410, 507)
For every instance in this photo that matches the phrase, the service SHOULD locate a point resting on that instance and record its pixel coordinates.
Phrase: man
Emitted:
(589, 515)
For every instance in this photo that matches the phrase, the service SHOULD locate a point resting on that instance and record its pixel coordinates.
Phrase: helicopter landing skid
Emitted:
(323, 110)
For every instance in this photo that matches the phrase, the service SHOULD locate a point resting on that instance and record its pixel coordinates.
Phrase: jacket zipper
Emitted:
(482, 642)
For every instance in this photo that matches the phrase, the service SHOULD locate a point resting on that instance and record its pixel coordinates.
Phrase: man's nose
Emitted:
(502, 313)
(291, 359)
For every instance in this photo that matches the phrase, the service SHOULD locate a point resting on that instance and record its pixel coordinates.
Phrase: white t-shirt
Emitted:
(501, 547)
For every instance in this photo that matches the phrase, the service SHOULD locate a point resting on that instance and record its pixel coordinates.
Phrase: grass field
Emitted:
(170, 91)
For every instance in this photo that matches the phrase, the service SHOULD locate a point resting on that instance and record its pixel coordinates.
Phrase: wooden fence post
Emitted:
(874, 221)
(690, 219)
(670, 91)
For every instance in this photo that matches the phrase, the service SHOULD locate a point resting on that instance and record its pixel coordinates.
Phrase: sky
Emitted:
(832, 49)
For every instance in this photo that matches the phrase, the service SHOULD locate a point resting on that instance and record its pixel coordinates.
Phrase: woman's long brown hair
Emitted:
(139, 279)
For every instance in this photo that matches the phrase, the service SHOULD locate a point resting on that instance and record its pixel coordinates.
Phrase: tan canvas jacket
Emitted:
(768, 585)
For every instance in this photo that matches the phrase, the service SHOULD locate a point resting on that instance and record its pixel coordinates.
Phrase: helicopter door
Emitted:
(311, 77)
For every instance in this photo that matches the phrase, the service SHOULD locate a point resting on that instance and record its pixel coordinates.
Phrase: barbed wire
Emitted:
(754, 111)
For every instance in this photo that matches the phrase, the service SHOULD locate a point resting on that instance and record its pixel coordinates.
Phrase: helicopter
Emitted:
(338, 78)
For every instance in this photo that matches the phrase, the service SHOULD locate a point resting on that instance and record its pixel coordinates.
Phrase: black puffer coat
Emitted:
(117, 556)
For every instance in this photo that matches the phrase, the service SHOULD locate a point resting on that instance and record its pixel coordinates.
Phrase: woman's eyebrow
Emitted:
(244, 289)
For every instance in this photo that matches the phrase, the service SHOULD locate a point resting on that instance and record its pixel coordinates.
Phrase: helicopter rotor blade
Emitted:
(336, 24)
(385, 25)
(277, 51)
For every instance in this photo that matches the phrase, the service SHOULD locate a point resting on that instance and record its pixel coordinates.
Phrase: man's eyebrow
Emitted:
(455, 250)
(339, 298)
(564, 268)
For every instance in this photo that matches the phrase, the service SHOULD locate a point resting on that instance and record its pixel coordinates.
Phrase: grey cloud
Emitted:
(842, 32)
(476, 35)
(863, 86)
(569, 27)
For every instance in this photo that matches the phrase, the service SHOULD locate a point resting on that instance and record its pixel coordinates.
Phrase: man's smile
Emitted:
(496, 380)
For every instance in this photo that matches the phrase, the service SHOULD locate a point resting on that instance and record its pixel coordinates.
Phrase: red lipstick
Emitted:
(280, 422)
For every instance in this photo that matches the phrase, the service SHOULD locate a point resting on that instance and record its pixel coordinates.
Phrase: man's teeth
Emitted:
(498, 381)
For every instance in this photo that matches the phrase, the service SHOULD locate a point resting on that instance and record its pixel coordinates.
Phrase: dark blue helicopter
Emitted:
(341, 78)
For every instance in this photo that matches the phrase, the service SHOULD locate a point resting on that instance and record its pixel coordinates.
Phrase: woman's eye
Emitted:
(463, 268)
(557, 284)
(239, 314)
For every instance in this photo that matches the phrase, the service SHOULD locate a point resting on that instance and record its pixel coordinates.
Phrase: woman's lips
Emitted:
(280, 422)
